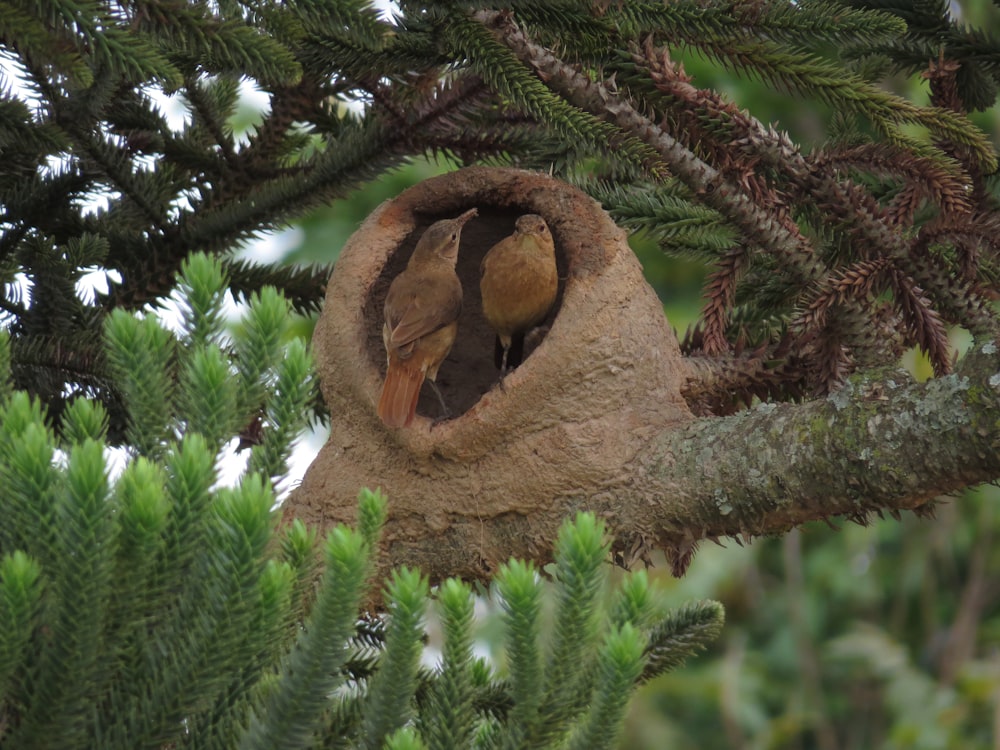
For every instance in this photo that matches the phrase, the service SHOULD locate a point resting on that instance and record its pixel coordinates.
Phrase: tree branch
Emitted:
(705, 180)
(882, 442)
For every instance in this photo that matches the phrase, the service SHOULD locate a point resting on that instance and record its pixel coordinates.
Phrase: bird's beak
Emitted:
(466, 216)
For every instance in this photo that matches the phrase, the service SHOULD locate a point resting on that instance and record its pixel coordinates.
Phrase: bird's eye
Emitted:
(454, 236)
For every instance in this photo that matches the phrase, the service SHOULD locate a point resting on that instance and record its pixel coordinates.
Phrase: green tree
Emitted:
(158, 610)
(832, 248)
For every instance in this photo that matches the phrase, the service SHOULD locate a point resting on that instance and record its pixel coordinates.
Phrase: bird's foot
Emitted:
(503, 376)
(445, 412)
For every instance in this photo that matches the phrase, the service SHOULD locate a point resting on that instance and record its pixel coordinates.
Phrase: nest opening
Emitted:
(469, 371)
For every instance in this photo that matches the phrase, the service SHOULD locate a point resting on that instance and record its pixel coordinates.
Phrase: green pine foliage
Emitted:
(153, 608)
(619, 664)
(447, 722)
(575, 632)
(294, 704)
(520, 591)
(20, 602)
(143, 351)
(856, 218)
(391, 689)
(212, 381)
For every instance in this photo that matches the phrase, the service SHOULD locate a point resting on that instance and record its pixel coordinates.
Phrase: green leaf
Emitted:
(287, 412)
(292, 710)
(681, 634)
(580, 574)
(141, 354)
(519, 588)
(446, 720)
(618, 666)
(390, 693)
(72, 666)
(202, 289)
(209, 395)
(373, 510)
(84, 419)
(20, 602)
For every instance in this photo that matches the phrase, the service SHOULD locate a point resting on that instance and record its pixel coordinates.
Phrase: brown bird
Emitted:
(519, 284)
(421, 320)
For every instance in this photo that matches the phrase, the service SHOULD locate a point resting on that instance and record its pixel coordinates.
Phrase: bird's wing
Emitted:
(418, 312)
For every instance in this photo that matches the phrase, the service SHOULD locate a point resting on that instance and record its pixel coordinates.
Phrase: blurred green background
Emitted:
(883, 636)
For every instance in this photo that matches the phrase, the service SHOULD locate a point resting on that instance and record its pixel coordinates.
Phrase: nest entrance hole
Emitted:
(468, 372)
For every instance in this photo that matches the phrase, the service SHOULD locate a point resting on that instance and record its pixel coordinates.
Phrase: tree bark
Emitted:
(594, 418)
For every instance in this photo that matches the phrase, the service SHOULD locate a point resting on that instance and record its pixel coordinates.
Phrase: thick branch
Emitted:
(882, 442)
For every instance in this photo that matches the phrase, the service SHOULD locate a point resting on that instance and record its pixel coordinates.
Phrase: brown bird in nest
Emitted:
(421, 320)
(519, 284)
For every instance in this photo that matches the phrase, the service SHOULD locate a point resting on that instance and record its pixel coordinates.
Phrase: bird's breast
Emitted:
(518, 290)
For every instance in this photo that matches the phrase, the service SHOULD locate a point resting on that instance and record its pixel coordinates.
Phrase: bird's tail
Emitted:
(400, 393)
